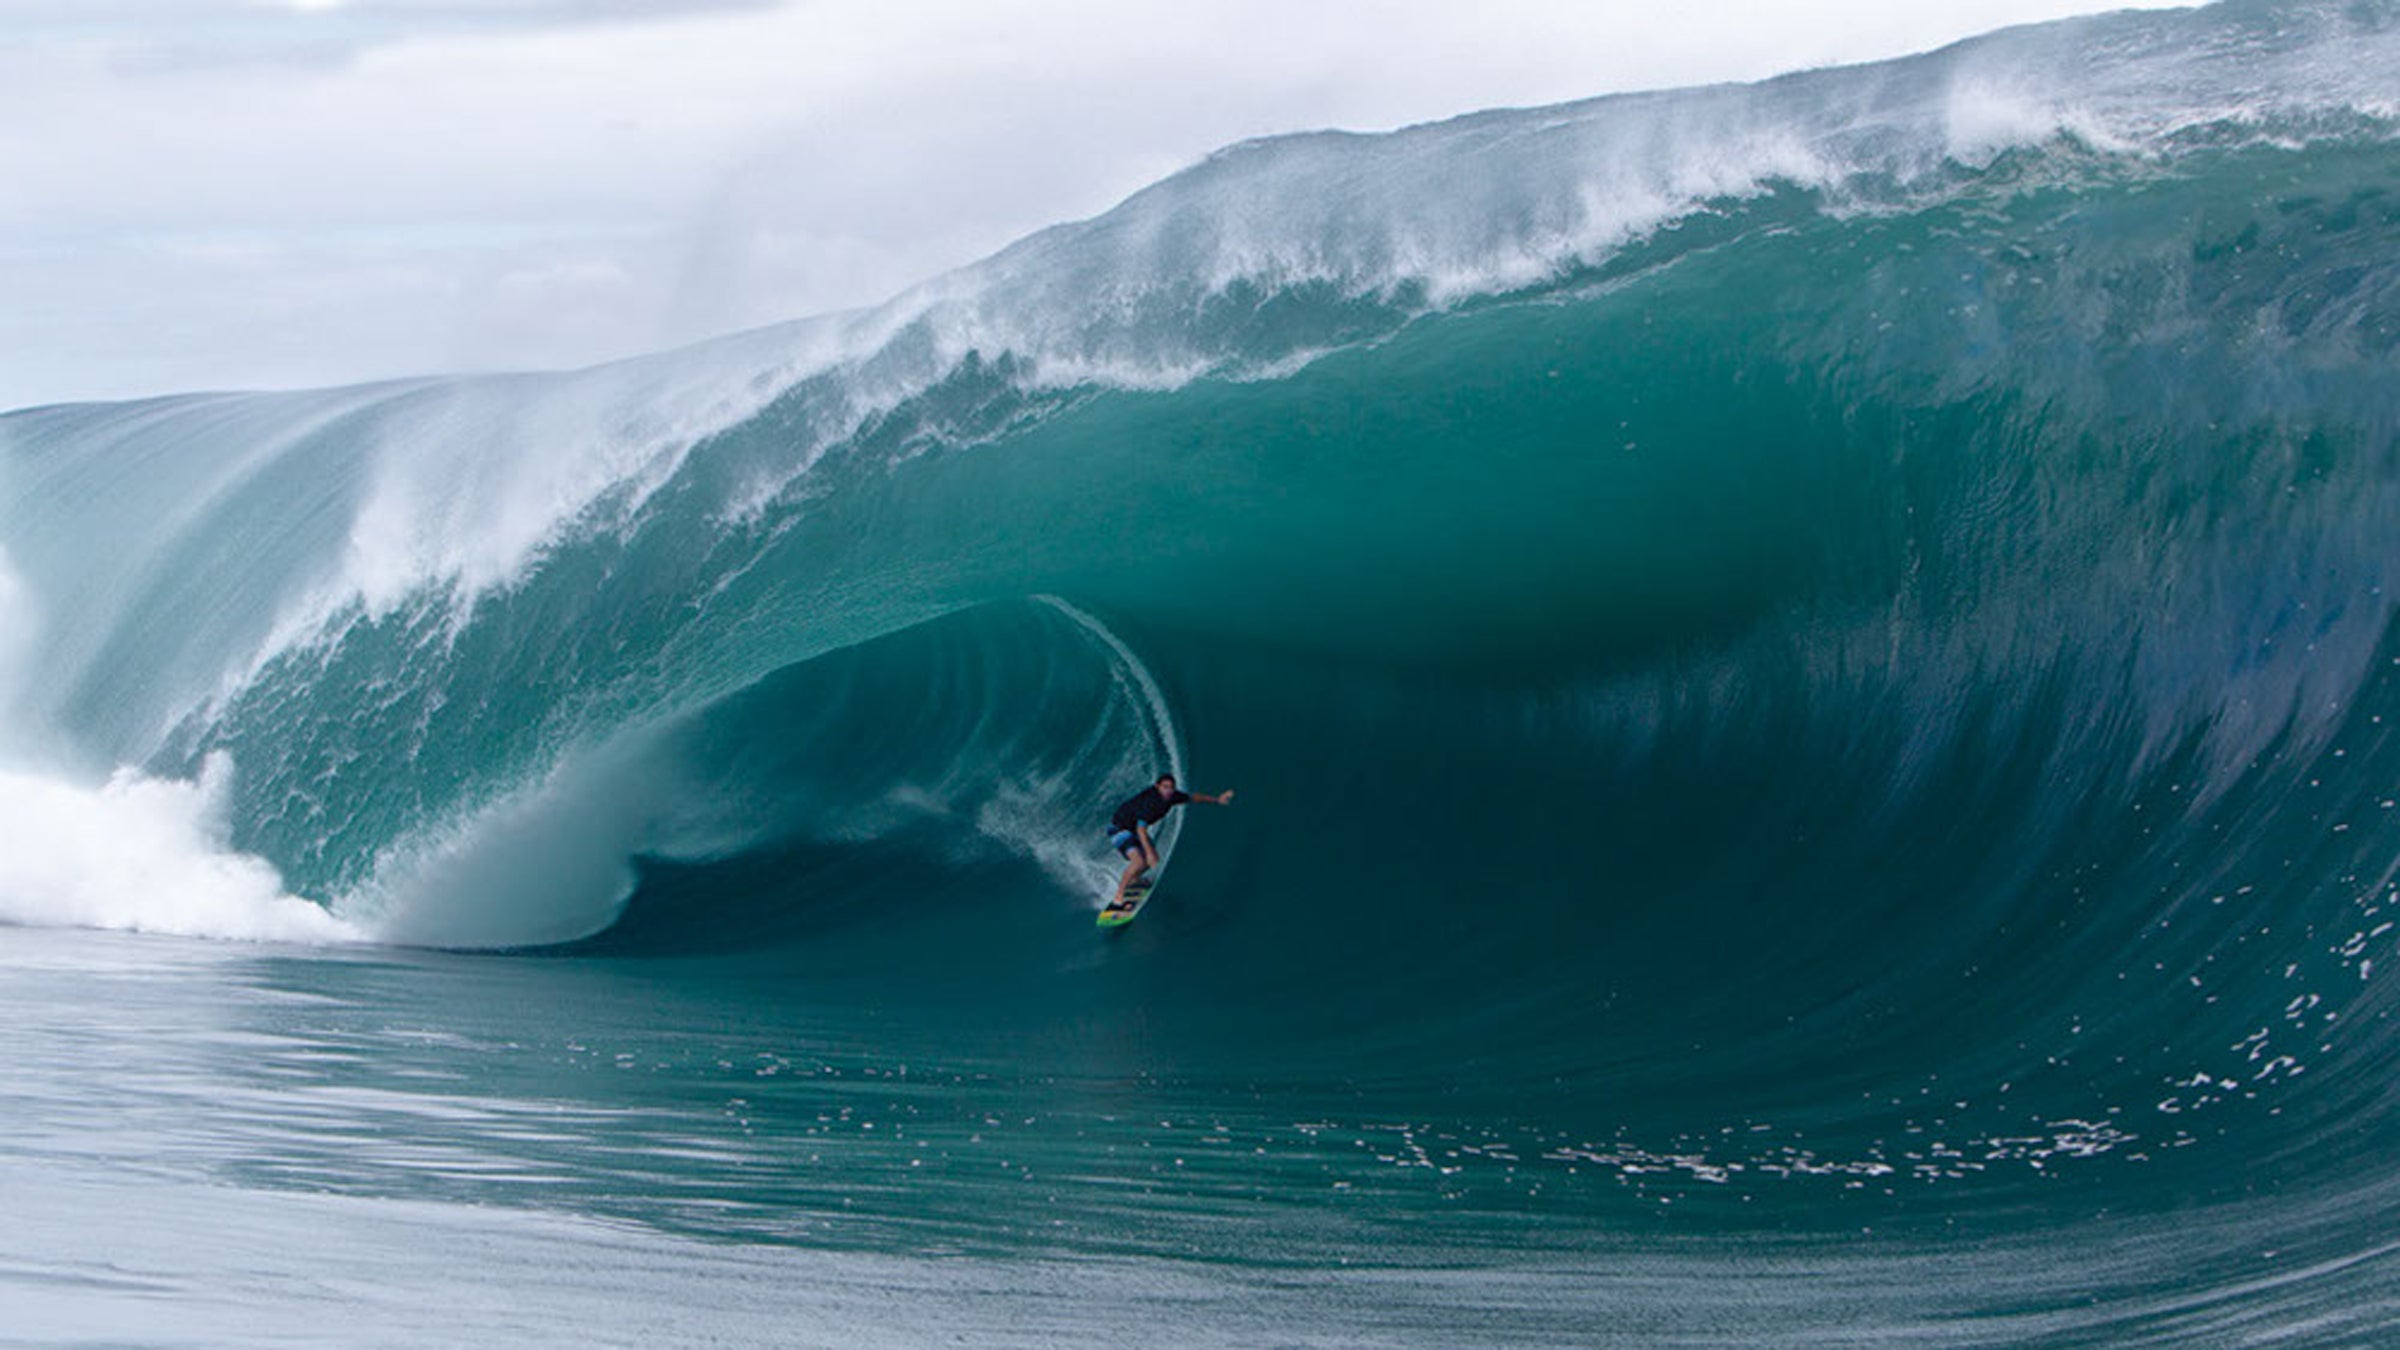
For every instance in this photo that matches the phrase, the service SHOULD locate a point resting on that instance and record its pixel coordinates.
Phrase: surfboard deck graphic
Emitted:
(1128, 903)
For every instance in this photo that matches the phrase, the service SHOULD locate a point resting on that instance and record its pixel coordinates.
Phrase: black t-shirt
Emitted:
(1149, 806)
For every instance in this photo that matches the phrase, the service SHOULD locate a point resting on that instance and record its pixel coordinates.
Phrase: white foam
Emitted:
(144, 855)
(133, 853)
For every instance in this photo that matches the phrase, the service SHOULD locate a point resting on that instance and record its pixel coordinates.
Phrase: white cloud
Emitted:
(219, 192)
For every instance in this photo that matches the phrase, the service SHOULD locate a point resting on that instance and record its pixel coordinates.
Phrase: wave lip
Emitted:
(1279, 246)
(1269, 252)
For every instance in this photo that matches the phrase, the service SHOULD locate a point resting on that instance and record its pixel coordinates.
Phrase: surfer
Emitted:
(1129, 827)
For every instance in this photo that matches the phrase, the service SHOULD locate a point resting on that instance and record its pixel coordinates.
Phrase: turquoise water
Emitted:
(1808, 668)
(418, 1148)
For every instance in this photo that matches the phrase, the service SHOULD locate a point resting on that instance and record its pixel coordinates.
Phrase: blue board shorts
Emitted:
(1125, 841)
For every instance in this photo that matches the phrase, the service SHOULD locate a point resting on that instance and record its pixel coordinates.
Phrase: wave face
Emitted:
(1823, 637)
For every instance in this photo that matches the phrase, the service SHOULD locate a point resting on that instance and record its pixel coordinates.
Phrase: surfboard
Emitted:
(1121, 910)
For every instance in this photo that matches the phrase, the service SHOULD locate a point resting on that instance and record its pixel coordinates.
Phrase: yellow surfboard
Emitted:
(1128, 903)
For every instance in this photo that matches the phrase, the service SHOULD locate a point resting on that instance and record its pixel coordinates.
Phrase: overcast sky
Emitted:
(278, 193)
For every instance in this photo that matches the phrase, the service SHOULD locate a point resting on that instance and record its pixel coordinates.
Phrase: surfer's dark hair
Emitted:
(1164, 778)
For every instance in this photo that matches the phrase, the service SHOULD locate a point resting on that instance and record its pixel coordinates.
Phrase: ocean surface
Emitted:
(1810, 668)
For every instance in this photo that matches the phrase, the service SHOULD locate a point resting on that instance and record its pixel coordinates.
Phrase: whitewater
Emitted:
(1811, 668)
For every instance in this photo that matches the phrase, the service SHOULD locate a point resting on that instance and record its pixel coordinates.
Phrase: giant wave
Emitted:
(1857, 608)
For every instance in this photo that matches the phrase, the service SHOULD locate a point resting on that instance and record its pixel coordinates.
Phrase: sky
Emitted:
(290, 193)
